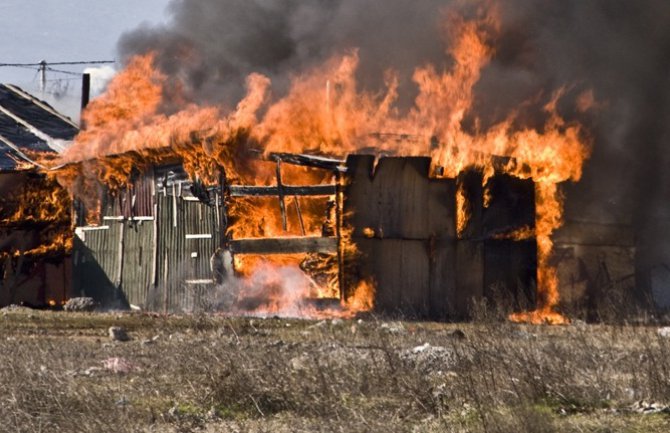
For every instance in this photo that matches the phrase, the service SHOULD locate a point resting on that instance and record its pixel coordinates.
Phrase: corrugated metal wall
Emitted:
(188, 235)
(160, 263)
(96, 263)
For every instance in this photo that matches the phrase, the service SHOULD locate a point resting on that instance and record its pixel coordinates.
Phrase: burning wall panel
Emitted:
(404, 226)
(34, 233)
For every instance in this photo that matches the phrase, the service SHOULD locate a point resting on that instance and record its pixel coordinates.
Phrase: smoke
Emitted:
(269, 290)
(214, 45)
(100, 77)
(613, 50)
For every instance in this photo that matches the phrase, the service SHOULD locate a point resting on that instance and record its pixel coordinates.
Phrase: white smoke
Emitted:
(100, 77)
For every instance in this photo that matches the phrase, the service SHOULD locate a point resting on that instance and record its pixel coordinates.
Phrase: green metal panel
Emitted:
(137, 275)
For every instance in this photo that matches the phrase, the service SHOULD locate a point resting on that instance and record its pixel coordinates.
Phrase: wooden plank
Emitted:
(510, 273)
(395, 181)
(469, 278)
(299, 190)
(441, 209)
(359, 211)
(401, 271)
(414, 278)
(442, 256)
(400, 201)
(308, 160)
(285, 245)
(338, 235)
(280, 195)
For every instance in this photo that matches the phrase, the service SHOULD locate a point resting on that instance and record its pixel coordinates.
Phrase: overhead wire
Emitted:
(45, 63)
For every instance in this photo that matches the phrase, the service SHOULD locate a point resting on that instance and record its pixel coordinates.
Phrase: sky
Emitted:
(63, 31)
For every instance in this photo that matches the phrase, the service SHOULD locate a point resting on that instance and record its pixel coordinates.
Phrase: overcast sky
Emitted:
(66, 30)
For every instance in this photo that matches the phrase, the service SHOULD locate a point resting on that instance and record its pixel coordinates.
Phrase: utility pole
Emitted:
(43, 75)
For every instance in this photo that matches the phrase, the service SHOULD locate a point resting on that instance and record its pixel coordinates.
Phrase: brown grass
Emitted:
(206, 373)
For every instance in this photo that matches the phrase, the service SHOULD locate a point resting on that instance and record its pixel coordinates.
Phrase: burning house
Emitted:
(168, 242)
(293, 173)
(35, 234)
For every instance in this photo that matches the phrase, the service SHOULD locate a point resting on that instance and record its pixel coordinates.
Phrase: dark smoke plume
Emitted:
(620, 49)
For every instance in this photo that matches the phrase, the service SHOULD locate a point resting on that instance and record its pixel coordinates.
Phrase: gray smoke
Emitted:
(618, 48)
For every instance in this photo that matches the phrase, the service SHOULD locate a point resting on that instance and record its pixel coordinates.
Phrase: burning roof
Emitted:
(30, 129)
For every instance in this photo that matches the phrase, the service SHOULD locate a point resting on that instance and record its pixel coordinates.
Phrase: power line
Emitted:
(64, 72)
(44, 62)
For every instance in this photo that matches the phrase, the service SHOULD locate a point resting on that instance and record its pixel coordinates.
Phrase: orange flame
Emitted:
(463, 211)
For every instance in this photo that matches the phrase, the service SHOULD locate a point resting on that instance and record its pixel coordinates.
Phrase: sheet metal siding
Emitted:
(176, 264)
(104, 244)
(96, 265)
(136, 200)
(137, 275)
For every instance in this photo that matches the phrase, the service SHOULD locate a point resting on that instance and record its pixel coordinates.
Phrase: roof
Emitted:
(28, 126)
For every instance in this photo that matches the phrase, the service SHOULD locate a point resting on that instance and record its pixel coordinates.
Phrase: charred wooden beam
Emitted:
(287, 245)
(299, 212)
(280, 195)
(302, 190)
(309, 161)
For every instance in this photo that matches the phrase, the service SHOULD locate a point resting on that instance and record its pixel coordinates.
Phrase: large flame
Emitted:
(324, 111)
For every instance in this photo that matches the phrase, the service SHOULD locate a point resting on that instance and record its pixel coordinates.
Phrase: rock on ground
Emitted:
(118, 333)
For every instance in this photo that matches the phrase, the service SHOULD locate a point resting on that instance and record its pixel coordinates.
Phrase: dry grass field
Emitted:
(62, 372)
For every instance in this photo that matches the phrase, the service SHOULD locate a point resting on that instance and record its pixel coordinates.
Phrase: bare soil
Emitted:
(62, 372)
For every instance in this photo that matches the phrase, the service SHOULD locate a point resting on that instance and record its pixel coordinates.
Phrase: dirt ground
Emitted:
(62, 372)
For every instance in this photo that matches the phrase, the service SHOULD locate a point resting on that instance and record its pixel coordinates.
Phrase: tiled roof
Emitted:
(29, 126)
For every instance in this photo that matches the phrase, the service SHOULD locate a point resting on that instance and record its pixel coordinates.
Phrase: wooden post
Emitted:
(154, 246)
(280, 194)
(222, 213)
(299, 212)
(338, 234)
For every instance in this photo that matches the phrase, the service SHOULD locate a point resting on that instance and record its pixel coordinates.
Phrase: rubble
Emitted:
(81, 304)
(118, 365)
(647, 407)
(429, 359)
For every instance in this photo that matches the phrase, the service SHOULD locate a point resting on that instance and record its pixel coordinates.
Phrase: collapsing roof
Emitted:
(29, 126)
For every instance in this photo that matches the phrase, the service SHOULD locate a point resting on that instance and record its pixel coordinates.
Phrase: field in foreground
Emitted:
(62, 372)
